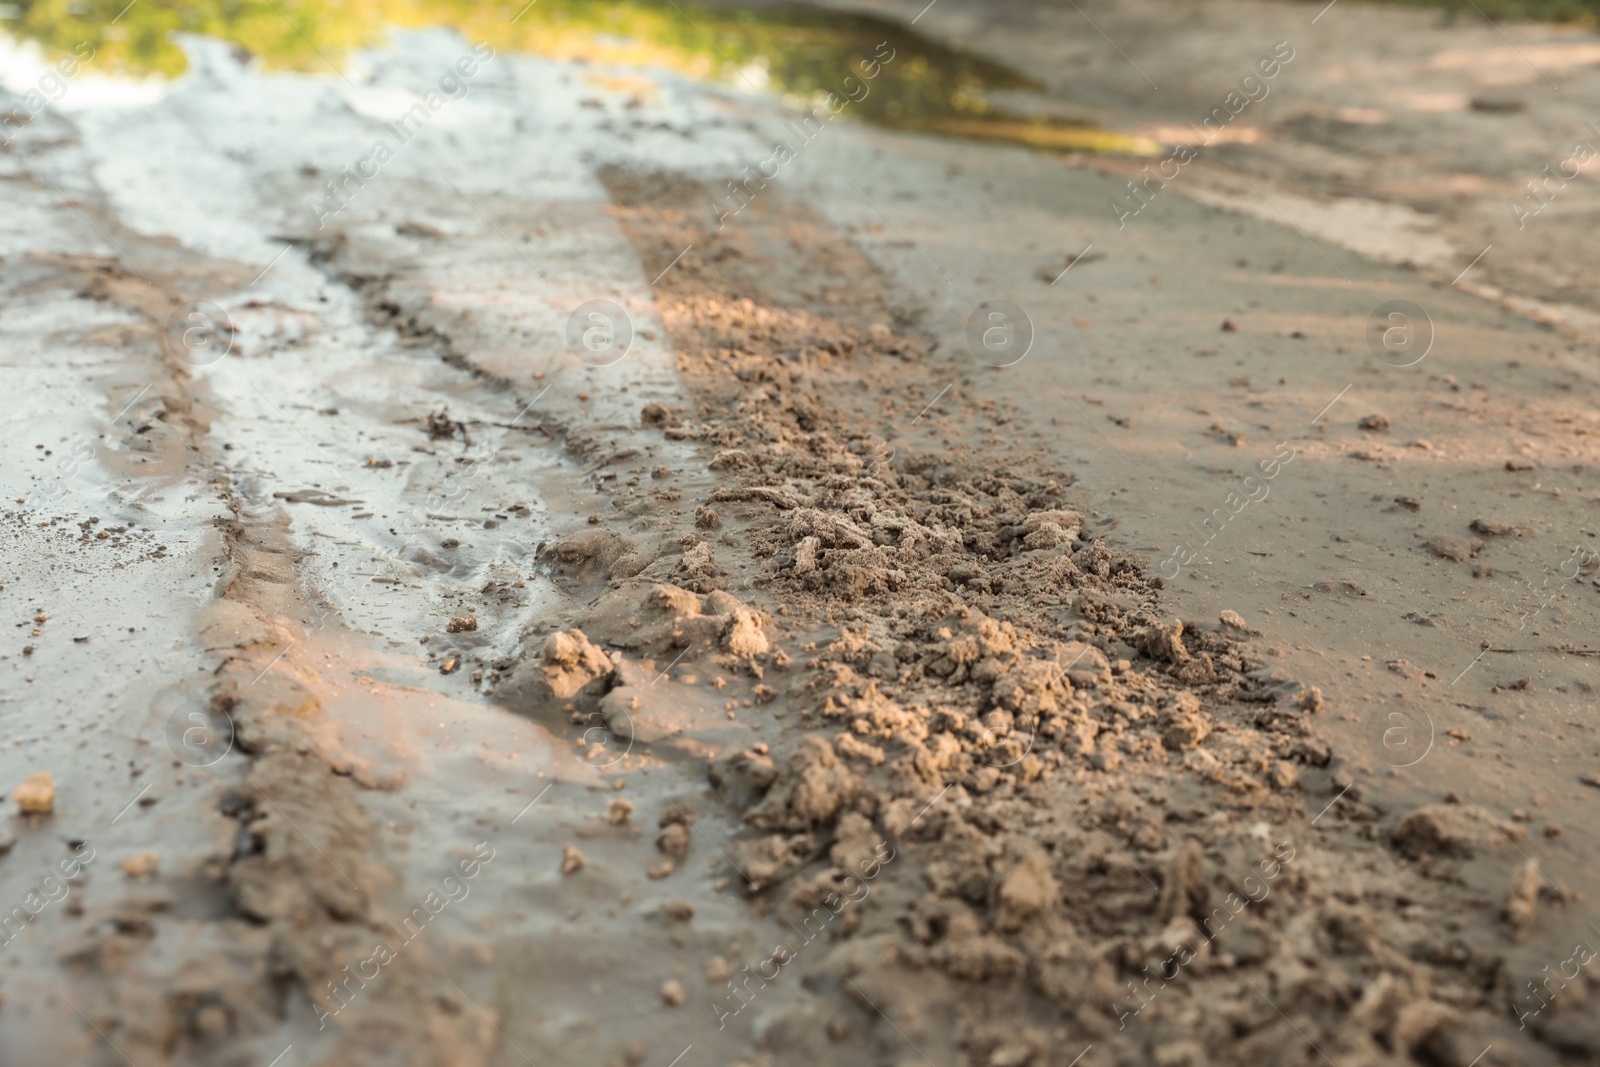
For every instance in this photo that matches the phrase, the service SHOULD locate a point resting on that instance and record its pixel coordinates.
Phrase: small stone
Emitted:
(660, 870)
(36, 795)
(718, 969)
(1233, 620)
(572, 860)
(1375, 423)
(462, 624)
(672, 993)
(678, 910)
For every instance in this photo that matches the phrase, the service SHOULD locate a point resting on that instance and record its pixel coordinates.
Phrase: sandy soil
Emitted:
(1208, 682)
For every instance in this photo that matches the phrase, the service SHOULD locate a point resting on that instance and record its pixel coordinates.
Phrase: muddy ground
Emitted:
(799, 681)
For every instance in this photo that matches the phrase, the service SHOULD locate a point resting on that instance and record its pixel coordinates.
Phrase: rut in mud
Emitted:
(988, 795)
(268, 915)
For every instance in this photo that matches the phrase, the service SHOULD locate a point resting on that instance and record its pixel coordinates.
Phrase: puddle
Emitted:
(800, 53)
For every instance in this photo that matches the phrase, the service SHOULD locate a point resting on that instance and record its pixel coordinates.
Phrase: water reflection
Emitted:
(799, 52)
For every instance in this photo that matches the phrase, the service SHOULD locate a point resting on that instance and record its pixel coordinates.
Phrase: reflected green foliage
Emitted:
(1585, 12)
(802, 53)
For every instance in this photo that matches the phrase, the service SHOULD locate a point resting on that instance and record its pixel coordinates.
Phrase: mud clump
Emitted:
(1451, 830)
(1078, 791)
(1050, 529)
(814, 788)
(142, 864)
(1163, 641)
(1521, 906)
(36, 795)
(1493, 528)
(1459, 549)
(673, 838)
(1183, 724)
(741, 633)
(571, 662)
(743, 776)
(597, 553)
(1028, 891)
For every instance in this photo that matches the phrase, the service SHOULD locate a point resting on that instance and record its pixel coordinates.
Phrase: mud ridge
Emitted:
(1083, 821)
(295, 919)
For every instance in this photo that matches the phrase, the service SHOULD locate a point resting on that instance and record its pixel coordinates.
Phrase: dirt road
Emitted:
(557, 607)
